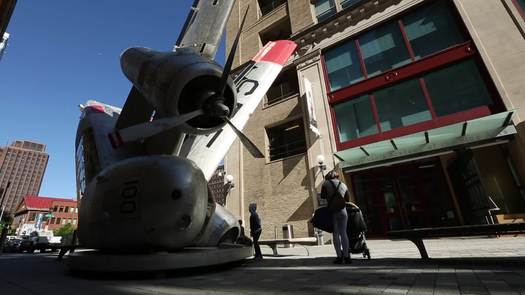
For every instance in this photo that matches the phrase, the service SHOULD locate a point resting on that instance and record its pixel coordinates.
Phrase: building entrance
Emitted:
(404, 196)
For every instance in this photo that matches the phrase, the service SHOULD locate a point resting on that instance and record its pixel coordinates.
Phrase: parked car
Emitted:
(12, 245)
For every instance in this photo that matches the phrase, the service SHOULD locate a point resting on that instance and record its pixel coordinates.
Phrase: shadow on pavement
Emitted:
(283, 275)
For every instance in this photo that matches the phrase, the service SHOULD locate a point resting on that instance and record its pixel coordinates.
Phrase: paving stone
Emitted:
(492, 266)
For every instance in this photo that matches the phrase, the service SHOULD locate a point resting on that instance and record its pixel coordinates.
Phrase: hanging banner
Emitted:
(312, 121)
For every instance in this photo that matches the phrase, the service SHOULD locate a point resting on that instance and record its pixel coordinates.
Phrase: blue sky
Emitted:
(62, 53)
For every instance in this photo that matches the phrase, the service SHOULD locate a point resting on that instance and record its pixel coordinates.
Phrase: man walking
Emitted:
(255, 229)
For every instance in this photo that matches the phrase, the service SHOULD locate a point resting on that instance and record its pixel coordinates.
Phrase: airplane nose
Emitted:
(150, 202)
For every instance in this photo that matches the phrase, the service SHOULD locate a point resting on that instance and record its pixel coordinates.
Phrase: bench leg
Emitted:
(274, 249)
(421, 247)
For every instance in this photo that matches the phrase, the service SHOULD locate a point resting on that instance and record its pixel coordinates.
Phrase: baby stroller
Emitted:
(356, 227)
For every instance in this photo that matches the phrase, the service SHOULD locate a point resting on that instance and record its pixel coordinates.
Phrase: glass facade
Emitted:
(355, 118)
(343, 66)
(401, 105)
(383, 49)
(432, 29)
(457, 88)
(324, 9)
(406, 72)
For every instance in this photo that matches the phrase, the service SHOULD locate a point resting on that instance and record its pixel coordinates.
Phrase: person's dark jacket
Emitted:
(255, 223)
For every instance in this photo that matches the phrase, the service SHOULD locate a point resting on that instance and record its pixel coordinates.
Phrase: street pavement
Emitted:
(458, 266)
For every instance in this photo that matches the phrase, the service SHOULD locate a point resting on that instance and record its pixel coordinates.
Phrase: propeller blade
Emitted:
(248, 144)
(145, 130)
(231, 56)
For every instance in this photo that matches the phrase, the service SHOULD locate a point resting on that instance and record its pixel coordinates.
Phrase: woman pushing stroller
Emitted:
(335, 192)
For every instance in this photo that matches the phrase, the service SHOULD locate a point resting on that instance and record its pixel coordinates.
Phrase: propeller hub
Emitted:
(215, 107)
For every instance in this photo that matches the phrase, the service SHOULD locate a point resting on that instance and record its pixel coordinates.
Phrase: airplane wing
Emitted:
(202, 32)
(204, 26)
(252, 84)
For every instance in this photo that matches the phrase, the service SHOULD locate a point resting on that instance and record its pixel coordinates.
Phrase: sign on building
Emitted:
(312, 121)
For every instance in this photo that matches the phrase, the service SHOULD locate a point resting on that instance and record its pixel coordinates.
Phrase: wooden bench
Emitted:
(300, 241)
(417, 235)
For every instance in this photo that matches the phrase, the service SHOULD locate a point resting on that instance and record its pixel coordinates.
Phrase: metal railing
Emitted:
(280, 91)
(288, 149)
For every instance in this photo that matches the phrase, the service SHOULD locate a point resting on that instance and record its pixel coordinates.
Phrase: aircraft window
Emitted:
(88, 164)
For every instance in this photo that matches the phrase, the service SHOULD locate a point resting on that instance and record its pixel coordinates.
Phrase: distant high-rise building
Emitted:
(22, 164)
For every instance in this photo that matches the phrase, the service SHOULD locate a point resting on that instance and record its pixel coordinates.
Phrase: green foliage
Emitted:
(66, 230)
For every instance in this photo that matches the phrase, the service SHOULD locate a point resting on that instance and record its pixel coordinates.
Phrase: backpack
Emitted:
(337, 202)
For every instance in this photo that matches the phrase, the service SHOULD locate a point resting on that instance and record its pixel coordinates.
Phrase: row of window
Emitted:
(392, 45)
(421, 67)
(63, 221)
(456, 88)
(65, 209)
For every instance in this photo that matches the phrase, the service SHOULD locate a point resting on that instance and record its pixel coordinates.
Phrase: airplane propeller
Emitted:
(214, 107)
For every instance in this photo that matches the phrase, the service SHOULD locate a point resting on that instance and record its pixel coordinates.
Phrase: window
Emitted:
(87, 161)
(383, 49)
(355, 118)
(324, 9)
(342, 65)
(72, 210)
(64, 221)
(277, 31)
(58, 221)
(286, 140)
(74, 222)
(349, 3)
(401, 105)
(67, 209)
(32, 216)
(431, 29)
(267, 6)
(284, 86)
(457, 88)
(61, 209)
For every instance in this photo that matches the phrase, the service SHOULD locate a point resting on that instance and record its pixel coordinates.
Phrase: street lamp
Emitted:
(229, 181)
(321, 164)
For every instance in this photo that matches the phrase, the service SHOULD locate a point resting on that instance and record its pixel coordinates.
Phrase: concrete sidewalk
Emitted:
(459, 266)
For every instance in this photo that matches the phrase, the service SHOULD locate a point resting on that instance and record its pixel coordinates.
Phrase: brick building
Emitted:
(44, 213)
(22, 164)
(415, 102)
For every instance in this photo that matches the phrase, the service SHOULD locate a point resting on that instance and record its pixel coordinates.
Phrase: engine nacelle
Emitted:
(176, 83)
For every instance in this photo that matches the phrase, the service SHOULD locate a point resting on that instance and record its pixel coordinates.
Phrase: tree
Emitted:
(65, 230)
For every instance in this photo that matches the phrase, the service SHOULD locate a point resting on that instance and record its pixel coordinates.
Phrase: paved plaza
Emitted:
(458, 266)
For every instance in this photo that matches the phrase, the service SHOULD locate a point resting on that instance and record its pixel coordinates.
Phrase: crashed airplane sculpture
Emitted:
(142, 171)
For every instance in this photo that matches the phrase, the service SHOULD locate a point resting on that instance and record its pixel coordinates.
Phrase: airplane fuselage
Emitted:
(133, 202)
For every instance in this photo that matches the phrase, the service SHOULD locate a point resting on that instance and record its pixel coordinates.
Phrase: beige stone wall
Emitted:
(255, 23)
(301, 14)
(280, 188)
(502, 47)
